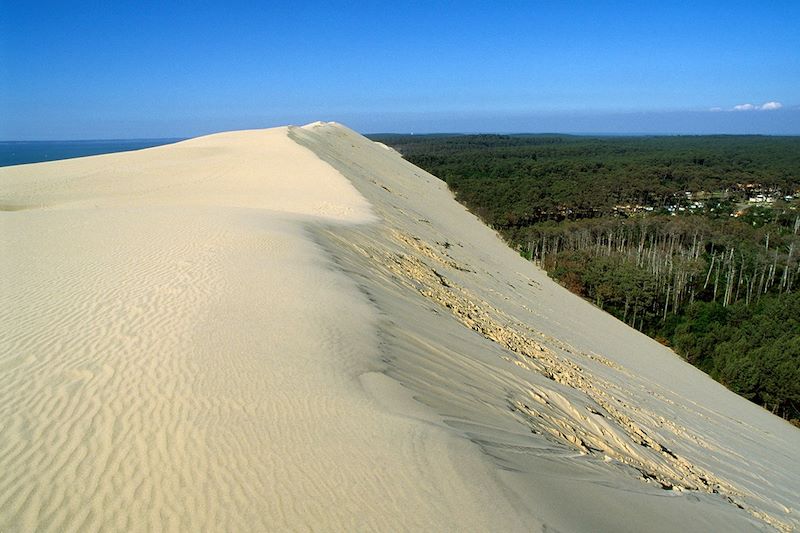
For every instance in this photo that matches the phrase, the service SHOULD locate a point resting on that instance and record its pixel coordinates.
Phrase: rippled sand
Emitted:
(296, 329)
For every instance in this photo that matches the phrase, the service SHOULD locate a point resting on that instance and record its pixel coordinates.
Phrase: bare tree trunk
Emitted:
(739, 283)
(785, 278)
(710, 268)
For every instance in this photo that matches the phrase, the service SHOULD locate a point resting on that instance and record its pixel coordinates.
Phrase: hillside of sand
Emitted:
(296, 329)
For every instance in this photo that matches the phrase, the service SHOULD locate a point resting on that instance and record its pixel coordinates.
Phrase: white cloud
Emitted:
(768, 106)
(716, 109)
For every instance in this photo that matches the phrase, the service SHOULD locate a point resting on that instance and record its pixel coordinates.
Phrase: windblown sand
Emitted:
(295, 329)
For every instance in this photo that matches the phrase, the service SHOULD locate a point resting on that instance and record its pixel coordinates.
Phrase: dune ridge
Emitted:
(565, 377)
(178, 355)
(296, 329)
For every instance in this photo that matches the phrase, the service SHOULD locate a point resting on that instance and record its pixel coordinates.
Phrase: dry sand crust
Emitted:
(296, 329)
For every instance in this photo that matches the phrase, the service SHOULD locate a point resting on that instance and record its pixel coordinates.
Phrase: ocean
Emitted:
(20, 152)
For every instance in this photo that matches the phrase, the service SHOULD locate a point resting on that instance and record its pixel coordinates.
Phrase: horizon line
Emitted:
(411, 133)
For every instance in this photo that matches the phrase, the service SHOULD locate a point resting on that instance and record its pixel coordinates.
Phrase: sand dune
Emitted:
(296, 329)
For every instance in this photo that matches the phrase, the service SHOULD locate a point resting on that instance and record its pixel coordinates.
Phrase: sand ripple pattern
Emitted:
(96, 388)
(176, 354)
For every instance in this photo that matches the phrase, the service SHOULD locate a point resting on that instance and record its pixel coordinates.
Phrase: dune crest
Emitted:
(177, 354)
(297, 329)
(259, 169)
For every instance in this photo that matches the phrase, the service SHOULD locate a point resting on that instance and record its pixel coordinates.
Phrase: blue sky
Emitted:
(148, 69)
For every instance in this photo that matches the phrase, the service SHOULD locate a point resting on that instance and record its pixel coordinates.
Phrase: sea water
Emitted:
(20, 152)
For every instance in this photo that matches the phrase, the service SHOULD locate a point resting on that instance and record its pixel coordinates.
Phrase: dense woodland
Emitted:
(694, 240)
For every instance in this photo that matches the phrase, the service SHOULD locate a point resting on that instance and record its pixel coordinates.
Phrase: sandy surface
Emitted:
(296, 329)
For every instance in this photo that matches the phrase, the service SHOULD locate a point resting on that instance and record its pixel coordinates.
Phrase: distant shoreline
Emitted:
(24, 152)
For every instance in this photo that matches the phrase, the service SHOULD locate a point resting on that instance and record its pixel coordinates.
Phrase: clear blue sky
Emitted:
(158, 69)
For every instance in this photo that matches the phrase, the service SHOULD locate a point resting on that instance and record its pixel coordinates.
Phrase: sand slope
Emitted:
(296, 329)
(177, 354)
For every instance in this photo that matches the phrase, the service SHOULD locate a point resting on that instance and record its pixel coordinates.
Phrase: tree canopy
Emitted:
(690, 239)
